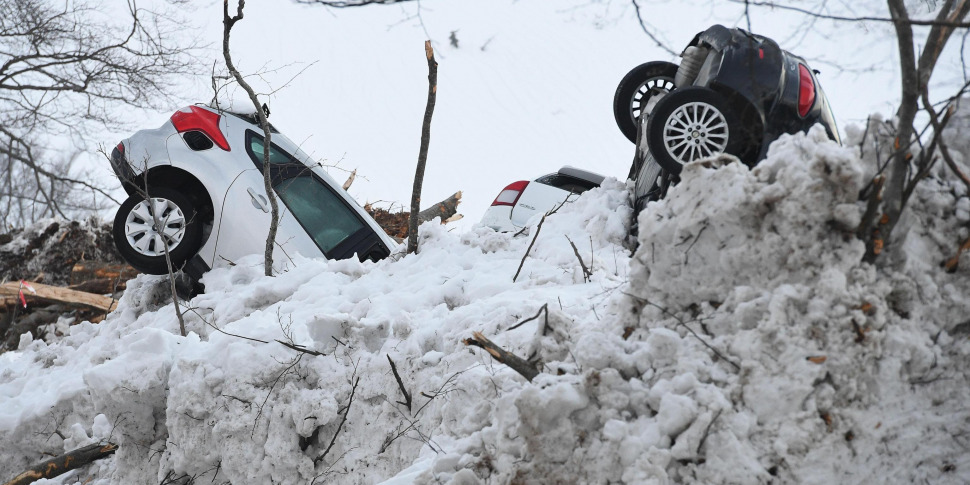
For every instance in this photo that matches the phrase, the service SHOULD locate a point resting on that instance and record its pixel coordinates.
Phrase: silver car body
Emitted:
(241, 215)
(539, 196)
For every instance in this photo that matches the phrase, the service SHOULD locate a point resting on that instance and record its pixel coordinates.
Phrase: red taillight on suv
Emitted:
(806, 90)
(202, 120)
(511, 193)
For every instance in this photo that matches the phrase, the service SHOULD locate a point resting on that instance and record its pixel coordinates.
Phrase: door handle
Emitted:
(259, 201)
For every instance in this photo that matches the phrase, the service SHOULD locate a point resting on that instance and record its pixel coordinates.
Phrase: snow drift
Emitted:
(742, 342)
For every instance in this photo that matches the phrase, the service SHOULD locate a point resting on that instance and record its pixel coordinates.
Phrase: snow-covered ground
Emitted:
(743, 341)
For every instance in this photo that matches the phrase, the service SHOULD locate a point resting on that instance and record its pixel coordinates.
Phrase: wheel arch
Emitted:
(176, 178)
(751, 120)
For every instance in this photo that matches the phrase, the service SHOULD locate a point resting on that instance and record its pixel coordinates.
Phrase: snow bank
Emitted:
(742, 342)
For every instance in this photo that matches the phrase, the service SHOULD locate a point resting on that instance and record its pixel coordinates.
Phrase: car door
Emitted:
(244, 223)
(314, 218)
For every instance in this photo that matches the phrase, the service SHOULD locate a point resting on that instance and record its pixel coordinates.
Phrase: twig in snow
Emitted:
(543, 308)
(300, 348)
(708, 431)
(341, 425)
(400, 383)
(270, 393)
(586, 272)
(684, 324)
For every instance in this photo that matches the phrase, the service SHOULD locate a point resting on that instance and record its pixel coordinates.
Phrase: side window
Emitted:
(254, 145)
(321, 212)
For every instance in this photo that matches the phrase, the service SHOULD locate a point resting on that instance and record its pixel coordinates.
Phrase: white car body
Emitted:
(521, 200)
(224, 177)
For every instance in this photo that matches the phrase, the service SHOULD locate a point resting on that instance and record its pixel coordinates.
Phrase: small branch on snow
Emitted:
(543, 308)
(400, 383)
(515, 362)
(341, 425)
(300, 348)
(587, 273)
(684, 324)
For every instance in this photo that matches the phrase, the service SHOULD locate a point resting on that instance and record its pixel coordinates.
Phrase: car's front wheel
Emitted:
(690, 124)
(144, 229)
(639, 91)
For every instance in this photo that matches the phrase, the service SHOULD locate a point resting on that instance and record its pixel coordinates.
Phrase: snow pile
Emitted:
(743, 342)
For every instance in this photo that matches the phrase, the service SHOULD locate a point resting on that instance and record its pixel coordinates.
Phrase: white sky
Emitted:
(529, 89)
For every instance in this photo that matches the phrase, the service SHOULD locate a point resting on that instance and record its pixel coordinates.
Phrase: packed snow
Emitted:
(742, 341)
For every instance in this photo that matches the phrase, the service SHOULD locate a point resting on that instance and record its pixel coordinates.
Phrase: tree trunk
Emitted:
(423, 152)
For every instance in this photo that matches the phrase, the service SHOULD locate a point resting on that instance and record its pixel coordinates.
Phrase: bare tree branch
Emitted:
(228, 22)
(65, 69)
(842, 18)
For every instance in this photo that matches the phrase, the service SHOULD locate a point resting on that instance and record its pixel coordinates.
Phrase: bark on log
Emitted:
(101, 286)
(62, 464)
(515, 362)
(85, 271)
(396, 224)
(61, 295)
(444, 209)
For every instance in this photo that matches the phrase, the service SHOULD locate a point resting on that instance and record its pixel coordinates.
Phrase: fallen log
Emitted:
(85, 271)
(62, 464)
(60, 295)
(445, 209)
(101, 286)
(396, 224)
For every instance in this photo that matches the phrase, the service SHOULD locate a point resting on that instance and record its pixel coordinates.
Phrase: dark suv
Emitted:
(734, 92)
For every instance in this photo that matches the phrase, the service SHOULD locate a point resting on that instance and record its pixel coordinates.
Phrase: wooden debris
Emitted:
(395, 224)
(61, 295)
(817, 359)
(62, 464)
(515, 362)
(350, 180)
(86, 271)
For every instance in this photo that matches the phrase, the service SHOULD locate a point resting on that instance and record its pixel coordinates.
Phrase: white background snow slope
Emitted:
(742, 342)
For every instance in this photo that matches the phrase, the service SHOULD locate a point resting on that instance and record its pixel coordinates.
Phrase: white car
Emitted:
(521, 200)
(202, 173)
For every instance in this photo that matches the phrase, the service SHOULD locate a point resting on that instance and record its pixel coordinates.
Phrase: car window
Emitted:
(277, 156)
(565, 182)
(322, 213)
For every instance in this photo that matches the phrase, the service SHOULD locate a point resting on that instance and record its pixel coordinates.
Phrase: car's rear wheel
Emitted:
(639, 91)
(143, 242)
(690, 124)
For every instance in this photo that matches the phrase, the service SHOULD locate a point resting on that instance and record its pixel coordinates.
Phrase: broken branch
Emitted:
(514, 362)
(400, 383)
(62, 464)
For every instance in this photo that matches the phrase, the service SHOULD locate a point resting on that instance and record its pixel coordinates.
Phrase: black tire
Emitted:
(149, 257)
(712, 128)
(636, 89)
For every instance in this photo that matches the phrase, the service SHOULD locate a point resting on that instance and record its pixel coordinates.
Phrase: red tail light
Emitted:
(806, 90)
(510, 194)
(203, 120)
(121, 148)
